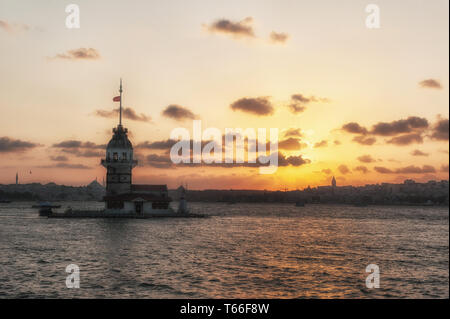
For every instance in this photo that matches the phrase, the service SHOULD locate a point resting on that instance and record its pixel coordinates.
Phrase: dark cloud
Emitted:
(354, 128)
(164, 161)
(237, 29)
(66, 165)
(293, 132)
(363, 140)
(84, 153)
(321, 144)
(426, 169)
(81, 149)
(79, 54)
(127, 113)
(419, 153)
(366, 159)
(343, 169)
(361, 169)
(78, 144)
(9, 145)
(411, 124)
(178, 113)
(157, 145)
(158, 161)
(406, 139)
(416, 170)
(59, 158)
(292, 160)
(440, 130)
(296, 108)
(299, 101)
(260, 106)
(383, 170)
(279, 37)
(290, 143)
(431, 84)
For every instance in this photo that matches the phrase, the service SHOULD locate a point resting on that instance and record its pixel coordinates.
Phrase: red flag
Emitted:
(116, 99)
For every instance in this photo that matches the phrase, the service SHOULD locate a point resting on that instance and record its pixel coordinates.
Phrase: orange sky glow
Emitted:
(364, 105)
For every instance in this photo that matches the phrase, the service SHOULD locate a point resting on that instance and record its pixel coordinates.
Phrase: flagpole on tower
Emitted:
(120, 108)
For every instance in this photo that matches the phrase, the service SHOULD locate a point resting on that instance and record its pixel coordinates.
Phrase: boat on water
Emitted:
(45, 208)
(300, 203)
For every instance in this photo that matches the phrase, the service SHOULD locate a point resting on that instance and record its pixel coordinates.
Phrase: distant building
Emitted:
(121, 195)
(17, 178)
(333, 182)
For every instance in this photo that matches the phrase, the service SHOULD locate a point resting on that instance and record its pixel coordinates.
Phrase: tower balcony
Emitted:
(110, 161)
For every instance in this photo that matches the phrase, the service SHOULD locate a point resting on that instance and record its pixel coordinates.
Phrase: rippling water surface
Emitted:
(241, 251)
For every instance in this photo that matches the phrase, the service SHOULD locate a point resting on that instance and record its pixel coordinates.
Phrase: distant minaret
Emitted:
(17, 178)
(333, 182)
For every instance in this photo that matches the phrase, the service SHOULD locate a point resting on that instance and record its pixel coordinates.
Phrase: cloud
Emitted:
(260, 106)
(296, 108)
(9, 145)
(444, 168)
(127, 113)
(81, 149)
(383, 170)
(327, 171)
(430, 84)
(440, 130)
(361, 169)
(238, 29)
(336, 142)
(79, 54)
(278, 37)
(66, 165)
(292, 160)
(406, 139)
(84, 153)
(78, 144)
(59, 158)
(13, 27)
(426, 169)
(412, 129)
(366, 159)
(354, 128)
(408, 125)
(178, 113)
(158, 161)
(419, 153)
(321, 144)
(294, 132)
(299, 101)
(291, 143)
(157, 145)
(343, 169)
(363, 140)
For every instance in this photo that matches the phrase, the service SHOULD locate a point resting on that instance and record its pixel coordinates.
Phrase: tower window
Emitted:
(124, 156)
(115, 157)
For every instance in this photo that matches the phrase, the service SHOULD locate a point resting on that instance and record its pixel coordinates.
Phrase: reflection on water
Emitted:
(241, 251)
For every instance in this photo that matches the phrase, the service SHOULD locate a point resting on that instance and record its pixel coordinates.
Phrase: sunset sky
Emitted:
(364, 105)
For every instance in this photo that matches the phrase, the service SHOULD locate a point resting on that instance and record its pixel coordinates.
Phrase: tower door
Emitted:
(139, 208)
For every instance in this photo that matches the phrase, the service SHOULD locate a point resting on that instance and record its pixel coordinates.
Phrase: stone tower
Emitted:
(119, 160)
